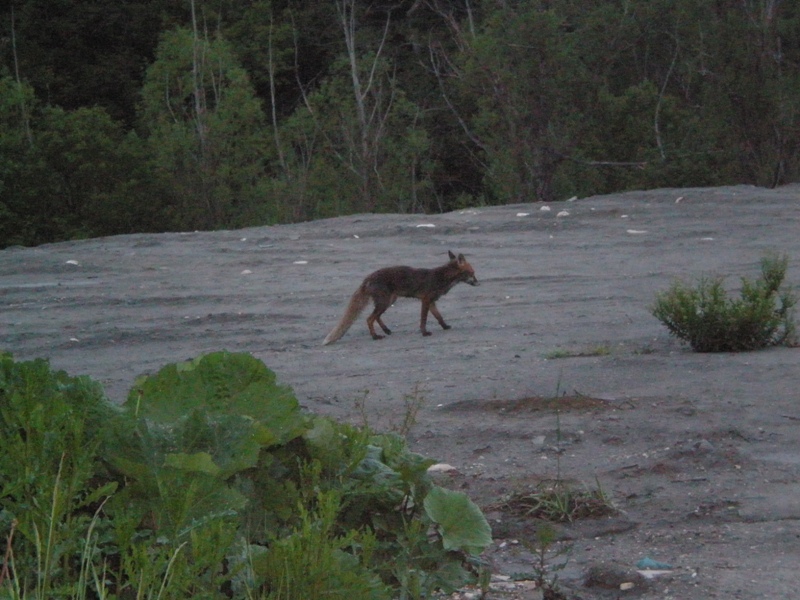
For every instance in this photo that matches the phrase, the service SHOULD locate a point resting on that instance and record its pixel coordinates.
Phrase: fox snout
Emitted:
(472, 280)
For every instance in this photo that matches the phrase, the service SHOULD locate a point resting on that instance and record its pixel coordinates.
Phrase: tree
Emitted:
(86, 53)
(527, 91)
(367, 130)
(68, 174)
(205, 127)
(356, 143)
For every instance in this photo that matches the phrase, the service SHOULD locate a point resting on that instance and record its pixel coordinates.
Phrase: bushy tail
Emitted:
(356, 305)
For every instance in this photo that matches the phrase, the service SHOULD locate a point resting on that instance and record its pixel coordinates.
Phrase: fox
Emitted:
(385, 285)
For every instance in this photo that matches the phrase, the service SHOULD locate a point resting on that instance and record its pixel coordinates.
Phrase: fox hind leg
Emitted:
(380, 322)
(386, 330)
(382, 303)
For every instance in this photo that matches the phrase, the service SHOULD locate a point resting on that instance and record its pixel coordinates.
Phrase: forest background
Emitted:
(122, 116)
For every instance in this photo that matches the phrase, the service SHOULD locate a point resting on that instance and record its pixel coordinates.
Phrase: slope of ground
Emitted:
(699, 452)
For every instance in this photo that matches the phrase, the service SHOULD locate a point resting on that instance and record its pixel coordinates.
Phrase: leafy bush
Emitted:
(710, 321)
(49, 467)
(211, 482)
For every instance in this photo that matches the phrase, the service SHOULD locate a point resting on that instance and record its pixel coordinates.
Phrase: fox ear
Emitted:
(461, 259)
(452, 256)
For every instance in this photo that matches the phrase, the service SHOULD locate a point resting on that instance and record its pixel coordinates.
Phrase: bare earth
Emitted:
(699, 452)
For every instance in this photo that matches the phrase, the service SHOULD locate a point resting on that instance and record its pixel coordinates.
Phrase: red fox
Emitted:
(385, 285)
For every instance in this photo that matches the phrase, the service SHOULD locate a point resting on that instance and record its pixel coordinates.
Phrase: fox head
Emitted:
(465, 271)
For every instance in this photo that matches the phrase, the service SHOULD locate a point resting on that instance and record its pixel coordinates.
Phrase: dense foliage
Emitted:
(157, 115)
(711, 321)
(210, 482)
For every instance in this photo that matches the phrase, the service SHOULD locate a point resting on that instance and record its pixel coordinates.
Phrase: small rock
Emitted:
(704, 447)
(441, 468)
(649, 563)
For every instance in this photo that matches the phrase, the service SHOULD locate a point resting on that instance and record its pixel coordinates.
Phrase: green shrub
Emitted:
(49, 462)
(710, 321)
(211, 482)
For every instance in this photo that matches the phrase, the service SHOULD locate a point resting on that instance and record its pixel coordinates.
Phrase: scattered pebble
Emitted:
(704, 447)
(649, 563)
(653, 573)
(441, 468)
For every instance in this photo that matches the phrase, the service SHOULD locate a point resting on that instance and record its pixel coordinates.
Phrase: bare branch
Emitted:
(23, 107)
(656, 126)
(436, 65)
(602, 163)
(272, 96)
(378, 54)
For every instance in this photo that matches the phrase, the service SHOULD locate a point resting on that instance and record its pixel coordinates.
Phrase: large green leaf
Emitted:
(221, 383)
(461, 522)
(191, 432)
(200, 462)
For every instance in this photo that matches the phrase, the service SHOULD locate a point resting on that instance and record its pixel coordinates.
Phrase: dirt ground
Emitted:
(700, 453)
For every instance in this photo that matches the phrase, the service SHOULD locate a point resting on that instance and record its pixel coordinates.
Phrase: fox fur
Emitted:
(384, 286)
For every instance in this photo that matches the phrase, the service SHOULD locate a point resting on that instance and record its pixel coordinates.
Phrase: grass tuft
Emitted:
(560, 502)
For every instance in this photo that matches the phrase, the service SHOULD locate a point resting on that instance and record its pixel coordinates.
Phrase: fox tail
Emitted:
(357, 303)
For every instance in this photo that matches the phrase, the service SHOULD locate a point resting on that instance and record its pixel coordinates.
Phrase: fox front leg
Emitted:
(423, 321)
(438, 315)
